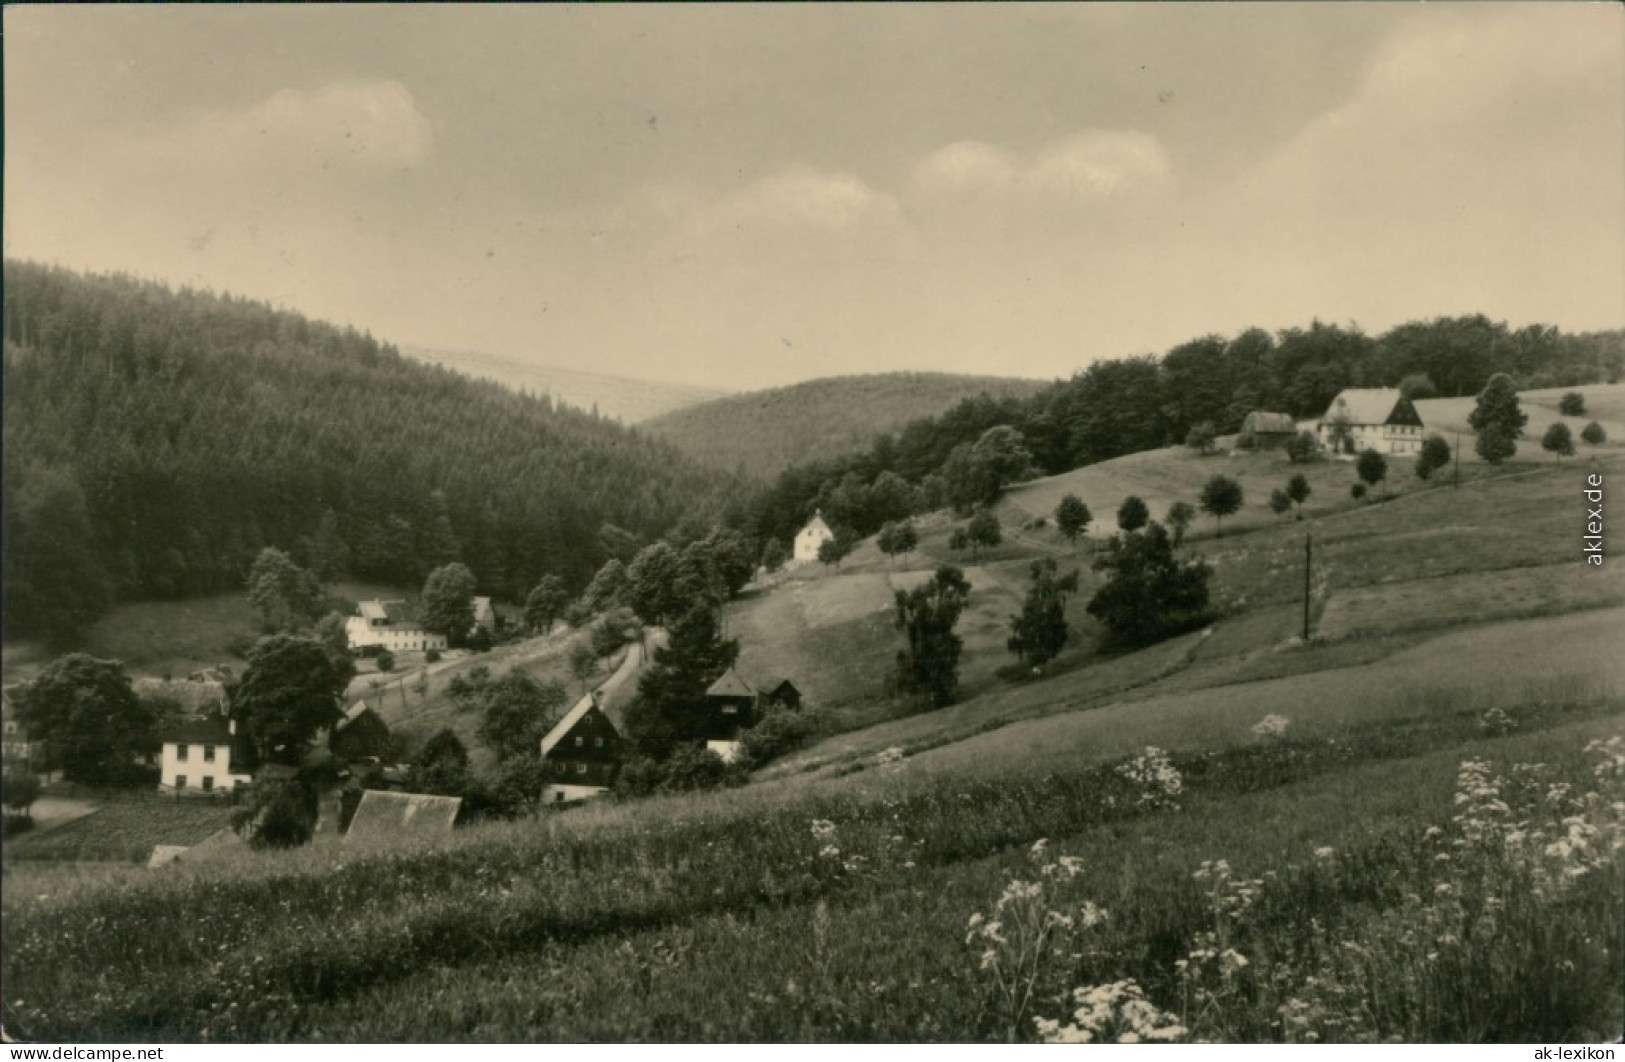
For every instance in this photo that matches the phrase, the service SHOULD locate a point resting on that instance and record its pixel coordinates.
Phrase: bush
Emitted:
(1572, 404)
(1593, 434)
(779, 732)
(431, 656)
(386, 661)
(240, 645)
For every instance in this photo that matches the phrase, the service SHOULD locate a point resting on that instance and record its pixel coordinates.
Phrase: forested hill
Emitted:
(155, 440)
(1122, 406)
(765, 432)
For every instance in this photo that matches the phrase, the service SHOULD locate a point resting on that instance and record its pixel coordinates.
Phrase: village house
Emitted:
(199, 756)
(809, 538)
(780, 693)
(584, 751)
(362, 734)
(1370, 418)
(17, 748)
(732, 707)
(1267, 431)
(392, 625)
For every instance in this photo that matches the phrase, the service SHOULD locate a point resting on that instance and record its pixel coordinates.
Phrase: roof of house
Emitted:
(817, 524)
(730, 685)
(1260, 421)
(385, 816)
(586, 704)
(356, 711)
(1365, 405)
(402, 614)
(199, 730)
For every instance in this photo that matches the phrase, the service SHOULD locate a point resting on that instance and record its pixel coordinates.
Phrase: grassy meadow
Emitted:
(1411, 827)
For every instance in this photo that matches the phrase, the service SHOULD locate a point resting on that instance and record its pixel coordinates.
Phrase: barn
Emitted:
(1267, 431)
(731, 704)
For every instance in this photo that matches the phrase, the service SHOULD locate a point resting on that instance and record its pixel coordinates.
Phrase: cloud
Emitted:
(1086, 166)
(798, 199)
(348, 127)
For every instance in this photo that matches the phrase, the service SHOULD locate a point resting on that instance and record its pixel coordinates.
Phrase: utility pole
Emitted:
(1308, 563)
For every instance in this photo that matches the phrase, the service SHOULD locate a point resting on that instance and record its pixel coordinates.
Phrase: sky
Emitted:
(742, 196)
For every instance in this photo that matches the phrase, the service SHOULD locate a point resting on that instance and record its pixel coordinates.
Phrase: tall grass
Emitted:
(837, 914)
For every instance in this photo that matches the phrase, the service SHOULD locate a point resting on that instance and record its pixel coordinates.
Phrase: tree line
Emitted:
(156, 440)
(1202, 387)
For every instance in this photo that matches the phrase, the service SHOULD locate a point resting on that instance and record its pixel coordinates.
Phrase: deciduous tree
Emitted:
(1072, 517)
(289, 691)
(1180, 517)
(1220, 497)
(448, 602)
(1594, 434)
(1435, 454)
(89, 716)
(1497, 419)
(548, 597)
(1558, 440)
(1372, 468)
(1132, 514)
(1297, 489)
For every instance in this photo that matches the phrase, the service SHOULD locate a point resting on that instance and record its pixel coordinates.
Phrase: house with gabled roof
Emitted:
(17, 746)
(361, 734)
(1370, 418)
(809, 538)
(780, 692)
(583, 751)
(731, 705)
(202, 754)
(392, 625)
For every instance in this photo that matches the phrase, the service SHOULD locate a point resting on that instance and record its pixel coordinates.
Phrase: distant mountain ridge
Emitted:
(616, 397)
(765, 432)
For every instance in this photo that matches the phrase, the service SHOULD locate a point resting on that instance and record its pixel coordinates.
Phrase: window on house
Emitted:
(181, 751)
(580, 741)
(208, 754)
(581, 768)
(208, 784)
(558, 797)
(598, 742)
(180, 781)
(730, 709)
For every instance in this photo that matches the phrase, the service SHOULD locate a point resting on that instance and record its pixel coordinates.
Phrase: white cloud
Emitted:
(1087, 166)
(798, 198)
(355, 127)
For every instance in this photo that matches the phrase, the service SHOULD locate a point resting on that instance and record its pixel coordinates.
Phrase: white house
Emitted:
(1370, 418)
(392, 625)
(197, 756)
(809, 538)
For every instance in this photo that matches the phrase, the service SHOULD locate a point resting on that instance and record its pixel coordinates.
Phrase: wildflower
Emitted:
(1325, 852)
(823, 829)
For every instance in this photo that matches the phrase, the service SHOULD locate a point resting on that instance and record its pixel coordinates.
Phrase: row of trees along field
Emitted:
(156, 440)
(1122, 406)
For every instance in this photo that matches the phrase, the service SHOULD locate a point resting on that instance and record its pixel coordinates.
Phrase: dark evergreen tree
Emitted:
(1497, 419)
(1149, 594)
(1039, 632)
(928, 667)
(55, 582)
(670, 709)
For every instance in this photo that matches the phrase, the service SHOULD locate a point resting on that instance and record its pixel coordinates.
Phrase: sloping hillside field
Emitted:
(1407, 828)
